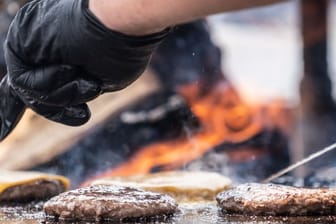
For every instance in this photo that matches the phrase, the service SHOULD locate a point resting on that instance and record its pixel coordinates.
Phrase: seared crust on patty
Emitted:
(109, 203)
(38, 190)
(271, 199)
(23, 186)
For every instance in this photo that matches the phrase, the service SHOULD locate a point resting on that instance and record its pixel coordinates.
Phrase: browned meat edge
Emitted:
(271, 199)
(38, 190)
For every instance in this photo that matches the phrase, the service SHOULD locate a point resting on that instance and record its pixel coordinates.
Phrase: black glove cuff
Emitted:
(132, 41)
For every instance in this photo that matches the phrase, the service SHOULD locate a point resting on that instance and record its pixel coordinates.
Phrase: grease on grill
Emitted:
(205, 213)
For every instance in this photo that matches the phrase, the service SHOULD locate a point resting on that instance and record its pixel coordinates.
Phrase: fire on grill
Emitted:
(182, 117)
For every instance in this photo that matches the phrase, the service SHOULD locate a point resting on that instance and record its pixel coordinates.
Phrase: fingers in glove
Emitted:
(43, 78)
(70, 115)
(73, 93)
(11, 109)
(56, 86)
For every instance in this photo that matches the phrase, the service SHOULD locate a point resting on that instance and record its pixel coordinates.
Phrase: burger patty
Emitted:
(24, 186)
(38, 190)
(271, 199)
(108, 203)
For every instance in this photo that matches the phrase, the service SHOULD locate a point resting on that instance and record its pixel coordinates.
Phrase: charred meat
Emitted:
(24, 186)
(38, 190)
(272, 199)
(108, 203)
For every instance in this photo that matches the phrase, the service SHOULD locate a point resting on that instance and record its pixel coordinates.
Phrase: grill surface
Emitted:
(189, 214)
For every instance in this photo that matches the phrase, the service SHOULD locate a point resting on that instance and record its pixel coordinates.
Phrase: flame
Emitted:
(224, 118)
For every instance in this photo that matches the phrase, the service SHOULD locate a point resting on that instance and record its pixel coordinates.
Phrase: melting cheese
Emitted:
(184, 186)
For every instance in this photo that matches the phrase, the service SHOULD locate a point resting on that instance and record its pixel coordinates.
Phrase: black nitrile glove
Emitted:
(59, 56)
(12, 108)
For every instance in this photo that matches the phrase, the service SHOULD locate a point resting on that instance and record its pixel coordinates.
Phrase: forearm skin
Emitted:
(140, 17)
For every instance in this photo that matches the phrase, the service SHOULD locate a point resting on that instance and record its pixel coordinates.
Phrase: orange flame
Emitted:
(224, 118)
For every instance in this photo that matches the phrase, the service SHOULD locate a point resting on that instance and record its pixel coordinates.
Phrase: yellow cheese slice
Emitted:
(10, 179)
(184, 186)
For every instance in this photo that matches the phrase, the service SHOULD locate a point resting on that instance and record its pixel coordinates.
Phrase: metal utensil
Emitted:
(300, 163)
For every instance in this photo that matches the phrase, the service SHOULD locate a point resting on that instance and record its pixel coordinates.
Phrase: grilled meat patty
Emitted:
(23, 186)
(271, 199)
(38, 190)
(108, 203)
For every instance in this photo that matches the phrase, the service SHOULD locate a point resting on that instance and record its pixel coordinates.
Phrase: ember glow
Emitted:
(224, 117)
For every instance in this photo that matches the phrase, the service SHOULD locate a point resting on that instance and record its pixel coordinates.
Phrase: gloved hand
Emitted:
(60, 56)
(11, 108)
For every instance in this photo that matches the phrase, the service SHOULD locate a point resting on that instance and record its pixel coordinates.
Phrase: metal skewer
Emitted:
(300, 163)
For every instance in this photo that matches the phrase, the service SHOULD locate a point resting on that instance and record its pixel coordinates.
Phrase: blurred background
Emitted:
(221, 95)
(263, 49)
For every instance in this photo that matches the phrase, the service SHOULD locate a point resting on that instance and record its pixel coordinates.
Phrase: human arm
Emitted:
(61, 56)
(139, 17)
